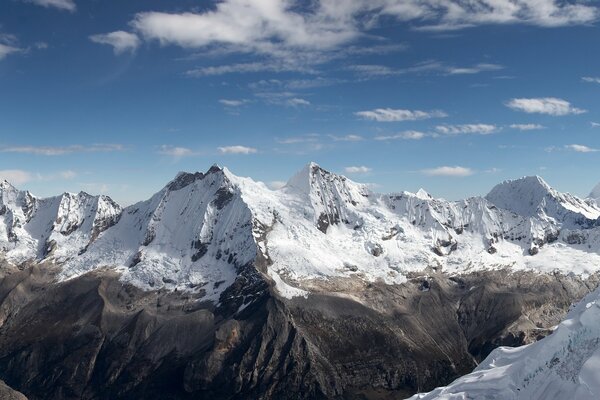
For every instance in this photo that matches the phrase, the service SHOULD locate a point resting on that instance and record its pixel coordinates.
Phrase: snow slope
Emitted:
(202, 229)
(564, 365)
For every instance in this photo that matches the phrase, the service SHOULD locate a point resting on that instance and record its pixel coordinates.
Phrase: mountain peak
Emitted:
(4, 184)
(595, 193)
(522, 196)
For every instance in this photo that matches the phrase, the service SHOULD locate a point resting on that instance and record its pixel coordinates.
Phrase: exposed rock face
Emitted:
(6, 393)
(95, 338)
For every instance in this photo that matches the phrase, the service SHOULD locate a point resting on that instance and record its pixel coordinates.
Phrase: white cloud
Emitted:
(16, 176)
(448, 171)
(237, 150)
(242, 68)
(591, 79)
(378, 71)
(287, 30)
(6, 49)
(595, 124)
(481, 67)
(347, 138)
(68, 174)
(297, 102)
(275, 185)
(292, 35)
(527, 127)
(544, 105)
(233, 103)
(68, 5)
(121, 41)
(175, 151)
(309, 138)
(394, 115)
(406, 135)
(61, 150)
(357, 170)
(579, 148)
(466, 129)
(370, 70)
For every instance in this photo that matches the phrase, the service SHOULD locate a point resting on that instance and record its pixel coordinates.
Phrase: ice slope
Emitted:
(203, 228)
(564, 365)
(55, 228)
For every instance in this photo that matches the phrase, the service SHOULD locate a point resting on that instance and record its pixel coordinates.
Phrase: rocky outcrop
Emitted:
(6, 393)
(94, 338)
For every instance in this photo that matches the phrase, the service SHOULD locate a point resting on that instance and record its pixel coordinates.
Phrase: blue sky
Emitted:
(116, 97)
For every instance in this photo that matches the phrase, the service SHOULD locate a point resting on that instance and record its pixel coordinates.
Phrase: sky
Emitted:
(115, 97)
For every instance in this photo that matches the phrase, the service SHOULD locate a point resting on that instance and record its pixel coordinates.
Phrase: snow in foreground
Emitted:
(564, 365)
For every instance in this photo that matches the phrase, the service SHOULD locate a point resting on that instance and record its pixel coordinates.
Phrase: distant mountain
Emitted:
(321, 289)
(595, 193)
(202, 228)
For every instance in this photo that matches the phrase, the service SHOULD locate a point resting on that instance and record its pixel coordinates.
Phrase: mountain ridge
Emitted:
(218, 287)
(355, 231)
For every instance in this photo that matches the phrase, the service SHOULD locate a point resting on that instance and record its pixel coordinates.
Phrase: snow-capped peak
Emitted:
(422, 194)
(203, 228)
(595, 193)
(333, 197)
(531, 196)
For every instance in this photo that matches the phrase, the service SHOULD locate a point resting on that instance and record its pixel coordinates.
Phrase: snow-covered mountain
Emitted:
(321, 289)
(595, 194)
(55, 228)
(202, 228)
(564, 365)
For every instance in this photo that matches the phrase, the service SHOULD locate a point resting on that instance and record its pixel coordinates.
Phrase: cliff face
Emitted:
(94, 338)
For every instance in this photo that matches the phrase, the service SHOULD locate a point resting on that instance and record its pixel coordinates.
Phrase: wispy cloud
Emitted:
(237, 150)
(68, 5)
(241, 68)
(8, 45)
(357, 170)
(527, 127)
(233, 103)
(591, 79)
(544, 105)
(297, 102)
(396, 115)
(19, 177)
(406, 135)
(308, 138)
(347, 138)
(579, 148)
(16, 176)
(481, 67)
(120, 41)
(62, 150)
(467, 129)
(427, 67)
(5, 50)
(176, 151)
(275, 185)
(448, 171)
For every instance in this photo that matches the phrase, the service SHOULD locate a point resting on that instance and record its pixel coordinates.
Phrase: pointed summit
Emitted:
(595, 193)
(532, 196)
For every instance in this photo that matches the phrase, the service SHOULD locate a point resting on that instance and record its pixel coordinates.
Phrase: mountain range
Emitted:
(219, 287)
